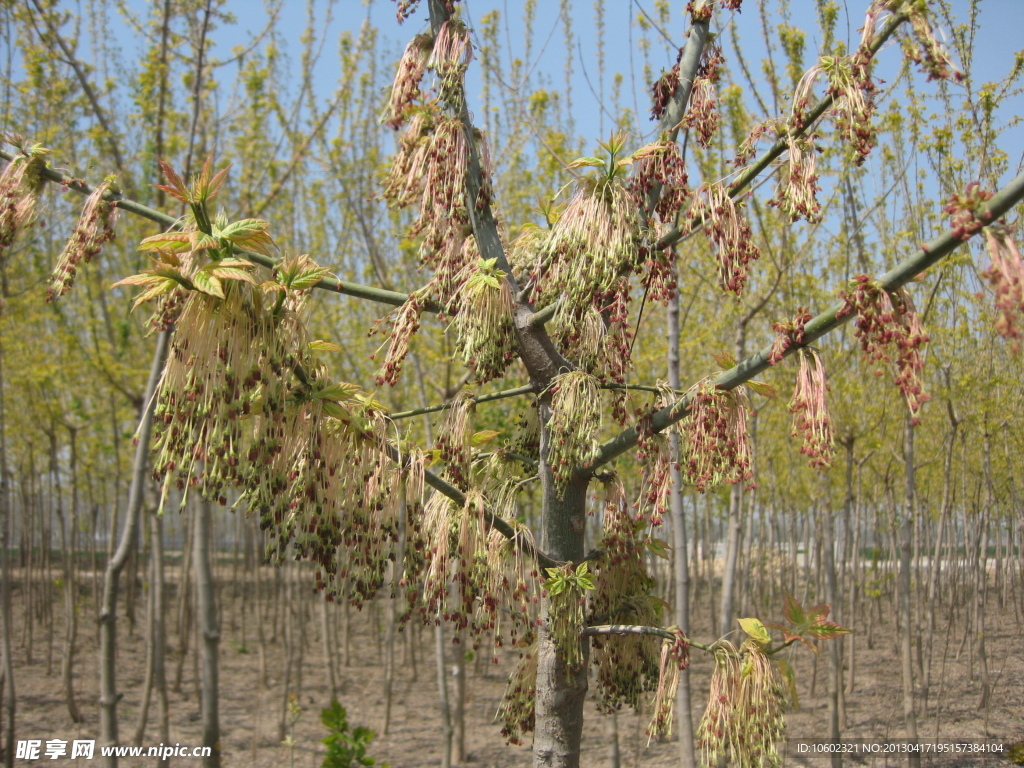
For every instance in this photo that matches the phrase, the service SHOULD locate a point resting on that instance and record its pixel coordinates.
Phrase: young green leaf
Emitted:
(756, 630)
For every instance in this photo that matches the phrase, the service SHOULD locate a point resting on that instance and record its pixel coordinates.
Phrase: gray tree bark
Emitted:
(109, 697)
(9, 700)
(209, 634)
(906, 614)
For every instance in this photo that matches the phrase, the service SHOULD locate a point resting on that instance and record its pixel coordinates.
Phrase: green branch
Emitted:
(523, 390)
(740, 374)
(332, 284)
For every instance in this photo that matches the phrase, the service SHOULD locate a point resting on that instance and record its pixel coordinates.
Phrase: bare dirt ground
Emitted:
(250, 714)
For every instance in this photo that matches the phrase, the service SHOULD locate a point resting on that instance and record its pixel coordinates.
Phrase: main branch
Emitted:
(998, 206)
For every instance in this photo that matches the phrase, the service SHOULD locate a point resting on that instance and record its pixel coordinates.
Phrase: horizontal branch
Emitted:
(329, 283)
(635, 629)
(523, 390)
(998, 206)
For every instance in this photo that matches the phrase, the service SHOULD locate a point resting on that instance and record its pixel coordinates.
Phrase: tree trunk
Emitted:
(156, 643)
(442, 689)
(935, 572)
(681, 565)
(835, 661)
(906, 614)
(8, 699)
(108, 613)
(734, 533)
(67, 543)
(206, 606)
(561, 690)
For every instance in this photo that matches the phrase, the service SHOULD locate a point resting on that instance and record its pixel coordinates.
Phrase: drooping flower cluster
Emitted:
(95, 228)
(596, 239)
(659, 276)
(675, 658)
(325, 489)
(789, 332)
(1006, 275)
(20, 184)
(775, 126)
(474, 576)
(664, 89)
(574, 424)
(703, 115)
(484, 334)
(224, 352)
(566, 589)
(454, 439)
(450, 58)
(716, 445)
(967, 210)
(243, 404)
(730, 233)
(406, 88)
(627, 668)
(508, 580)
(403, 326)
(714, 732)
(796, 194)
(810, 412)
(852, 89)
(660, 166)
(887, 326)
(655, 458)
(458, 540)
(922, 46)
(517, 709)
(744, 712)
(429, 173)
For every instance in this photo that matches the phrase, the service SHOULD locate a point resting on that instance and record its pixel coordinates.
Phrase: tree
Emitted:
(246, 411)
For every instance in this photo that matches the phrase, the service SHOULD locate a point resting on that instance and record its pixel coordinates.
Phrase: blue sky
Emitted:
(997, 41)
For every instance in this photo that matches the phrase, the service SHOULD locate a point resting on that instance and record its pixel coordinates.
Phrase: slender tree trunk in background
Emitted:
(108, 614)
(28, 555)
(981, 586)
(258, 612)
(905, 609)
(206, 607)
(856, 580)
(156, 642)
(147, 683)
(160, 631)
(183, 610)
(980, 595)
(935, 572)
(389, 642)
(734, 534)
(681, 573)
(835, 661)
(67, 543)
(459, 710)
(332, 675)
(614, 758)
(442, 688)
(8, 700)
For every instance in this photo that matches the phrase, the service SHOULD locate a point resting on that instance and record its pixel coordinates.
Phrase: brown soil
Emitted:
(250, 714)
